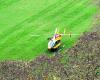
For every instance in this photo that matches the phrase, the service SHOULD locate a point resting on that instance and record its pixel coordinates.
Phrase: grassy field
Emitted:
(20, 19)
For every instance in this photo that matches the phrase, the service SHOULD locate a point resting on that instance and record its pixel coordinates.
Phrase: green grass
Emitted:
(20, 19)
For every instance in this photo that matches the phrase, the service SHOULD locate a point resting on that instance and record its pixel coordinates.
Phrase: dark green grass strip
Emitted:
(6, 3)
(11, 39)
(15, 44)
(39, 15)
(15, 36)
(19, 26)
(81, 21)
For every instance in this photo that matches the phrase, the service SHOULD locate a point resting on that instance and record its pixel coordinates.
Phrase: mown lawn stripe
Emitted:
(14, 29)
(28, 47)
(76, 19)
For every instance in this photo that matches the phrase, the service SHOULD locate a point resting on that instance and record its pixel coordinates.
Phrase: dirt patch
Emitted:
(96, 24)
(14, 70)
(96, 2)
(87, 43)
(86, 55)
(96, 21)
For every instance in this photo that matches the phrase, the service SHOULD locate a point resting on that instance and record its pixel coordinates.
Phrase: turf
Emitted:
(20, 19)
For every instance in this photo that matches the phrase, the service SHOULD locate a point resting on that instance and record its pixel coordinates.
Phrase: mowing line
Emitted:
(30, 45)
(77, 18)
(14, 29)
(6, 3)
(49, 8)
(11, 39)
(69, 9)
(27, 34)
